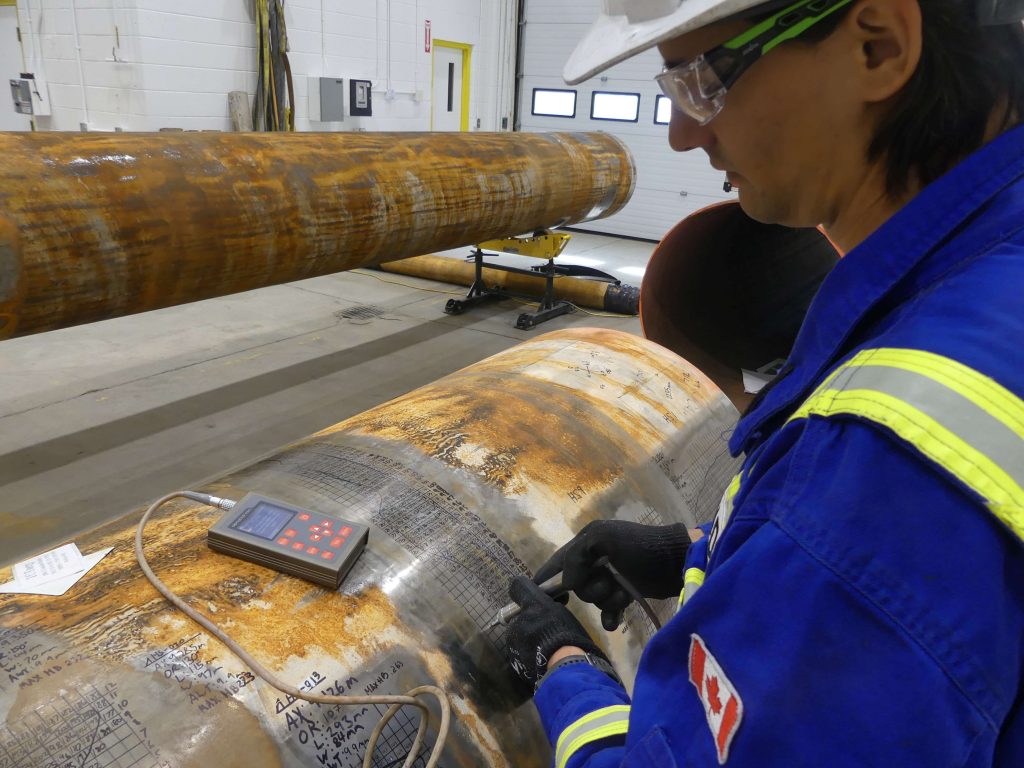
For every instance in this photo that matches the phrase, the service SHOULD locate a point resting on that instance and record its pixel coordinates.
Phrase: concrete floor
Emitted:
(97, 420)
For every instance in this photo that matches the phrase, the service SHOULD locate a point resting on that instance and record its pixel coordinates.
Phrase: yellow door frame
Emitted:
(467, 52)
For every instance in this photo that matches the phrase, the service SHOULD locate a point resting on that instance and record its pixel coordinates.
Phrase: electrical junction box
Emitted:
(21, 93)
(360, 98)
(311, 545)
(326, 99)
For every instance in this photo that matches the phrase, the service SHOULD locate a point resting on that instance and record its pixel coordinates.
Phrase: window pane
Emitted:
(663, 111)
(556, 103)
(615, 106)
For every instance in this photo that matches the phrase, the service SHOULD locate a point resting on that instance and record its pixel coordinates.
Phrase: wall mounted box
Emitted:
(360, 98)
(326, 99)
(21, 93)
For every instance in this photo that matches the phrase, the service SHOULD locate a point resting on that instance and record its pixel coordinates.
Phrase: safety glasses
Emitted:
(697, 87)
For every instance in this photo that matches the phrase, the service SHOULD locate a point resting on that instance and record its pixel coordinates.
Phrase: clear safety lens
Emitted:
(694, 89)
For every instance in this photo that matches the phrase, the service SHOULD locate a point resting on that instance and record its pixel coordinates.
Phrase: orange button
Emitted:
(303, 516)
(298, 545)
(327, 555)
(290, 532)
(284, 541)
(337, 542)
(315, 537)
(312, 550)
(346, 531)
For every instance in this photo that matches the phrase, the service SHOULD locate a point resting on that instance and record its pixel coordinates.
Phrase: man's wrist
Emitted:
(564, 651)
(569, 655)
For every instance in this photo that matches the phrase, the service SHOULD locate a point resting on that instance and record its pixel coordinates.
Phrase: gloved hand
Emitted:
(542, 627)
(650, 557)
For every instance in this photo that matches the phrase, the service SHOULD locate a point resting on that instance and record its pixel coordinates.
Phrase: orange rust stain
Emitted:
(531, 431)
(116, 613)
(520, 429)
(469, 720)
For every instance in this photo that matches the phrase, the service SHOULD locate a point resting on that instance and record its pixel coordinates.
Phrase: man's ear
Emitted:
(887, 34)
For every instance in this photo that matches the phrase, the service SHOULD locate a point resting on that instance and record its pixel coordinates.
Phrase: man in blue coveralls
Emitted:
(859, 598)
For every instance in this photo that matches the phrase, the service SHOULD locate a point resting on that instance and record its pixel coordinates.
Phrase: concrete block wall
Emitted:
(142, 65)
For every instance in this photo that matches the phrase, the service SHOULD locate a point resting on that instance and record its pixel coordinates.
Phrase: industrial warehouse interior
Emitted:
(511, 383)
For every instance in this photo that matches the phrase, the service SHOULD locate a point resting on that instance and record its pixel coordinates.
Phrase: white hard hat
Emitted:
(627, 27)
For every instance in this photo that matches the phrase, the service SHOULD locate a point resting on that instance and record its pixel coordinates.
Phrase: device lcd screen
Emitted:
(264, 520)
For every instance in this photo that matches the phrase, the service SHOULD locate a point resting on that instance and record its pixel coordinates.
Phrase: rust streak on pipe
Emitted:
(94, 226)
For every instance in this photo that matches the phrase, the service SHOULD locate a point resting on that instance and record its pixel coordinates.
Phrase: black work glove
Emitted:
(650, 557)
(542, 627)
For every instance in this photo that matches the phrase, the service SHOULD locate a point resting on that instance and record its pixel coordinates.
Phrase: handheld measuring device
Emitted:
(311, 545)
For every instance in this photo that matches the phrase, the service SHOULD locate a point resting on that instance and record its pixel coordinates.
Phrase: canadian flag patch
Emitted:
(722, 703)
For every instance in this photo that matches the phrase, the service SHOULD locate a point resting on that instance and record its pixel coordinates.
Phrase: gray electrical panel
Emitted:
(326, 99)
(21, 92)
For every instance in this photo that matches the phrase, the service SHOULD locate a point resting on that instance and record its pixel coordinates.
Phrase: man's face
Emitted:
(788, 138)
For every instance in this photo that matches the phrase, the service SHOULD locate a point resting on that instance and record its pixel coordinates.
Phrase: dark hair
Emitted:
(967, 71)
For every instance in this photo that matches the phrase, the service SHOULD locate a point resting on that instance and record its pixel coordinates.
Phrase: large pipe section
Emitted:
(596, 294)
(465, 483)
(94, 226)
(726, 292)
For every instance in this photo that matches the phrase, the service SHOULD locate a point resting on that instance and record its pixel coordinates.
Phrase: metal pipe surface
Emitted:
(596, 294)
(726, 292)
(94, 226)
(464, 483)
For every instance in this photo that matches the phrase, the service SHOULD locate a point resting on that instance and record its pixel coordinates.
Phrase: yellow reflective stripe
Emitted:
(693, 580)
(981, 390)
(1005, 498)
(734, 486)
(693, 576)
(600, 724)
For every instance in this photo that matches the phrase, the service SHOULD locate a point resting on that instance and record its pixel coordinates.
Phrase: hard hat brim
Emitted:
(612, 39)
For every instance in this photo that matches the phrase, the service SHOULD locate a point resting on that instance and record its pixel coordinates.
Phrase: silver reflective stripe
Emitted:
(600, 724)
(970, 423)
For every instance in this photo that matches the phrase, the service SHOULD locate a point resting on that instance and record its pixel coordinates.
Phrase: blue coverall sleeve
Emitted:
(575, 692)
(837, 626)
(572, 693)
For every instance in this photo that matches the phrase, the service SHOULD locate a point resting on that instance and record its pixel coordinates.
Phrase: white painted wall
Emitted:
(670, 185)
(143, 65)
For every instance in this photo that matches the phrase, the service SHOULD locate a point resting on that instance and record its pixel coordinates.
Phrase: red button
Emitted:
(290, 532)
(315, 537)
(326, 523)
(327, 555)
(312, 550)
(298, 545)
(284, 541)
(303, 516)
(314, 528)
(346, 531)
(337, 542)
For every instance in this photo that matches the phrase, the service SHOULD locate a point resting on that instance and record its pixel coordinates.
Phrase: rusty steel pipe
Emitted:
(94, 226)
(596, 294)
(465, 483)
(726, 292)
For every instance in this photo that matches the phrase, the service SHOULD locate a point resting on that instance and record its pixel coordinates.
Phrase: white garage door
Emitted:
(670, 185)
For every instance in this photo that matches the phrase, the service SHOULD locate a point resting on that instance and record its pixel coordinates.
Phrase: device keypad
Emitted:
(314, 539)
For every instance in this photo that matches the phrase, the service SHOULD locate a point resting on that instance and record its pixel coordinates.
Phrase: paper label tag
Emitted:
(49, 566)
